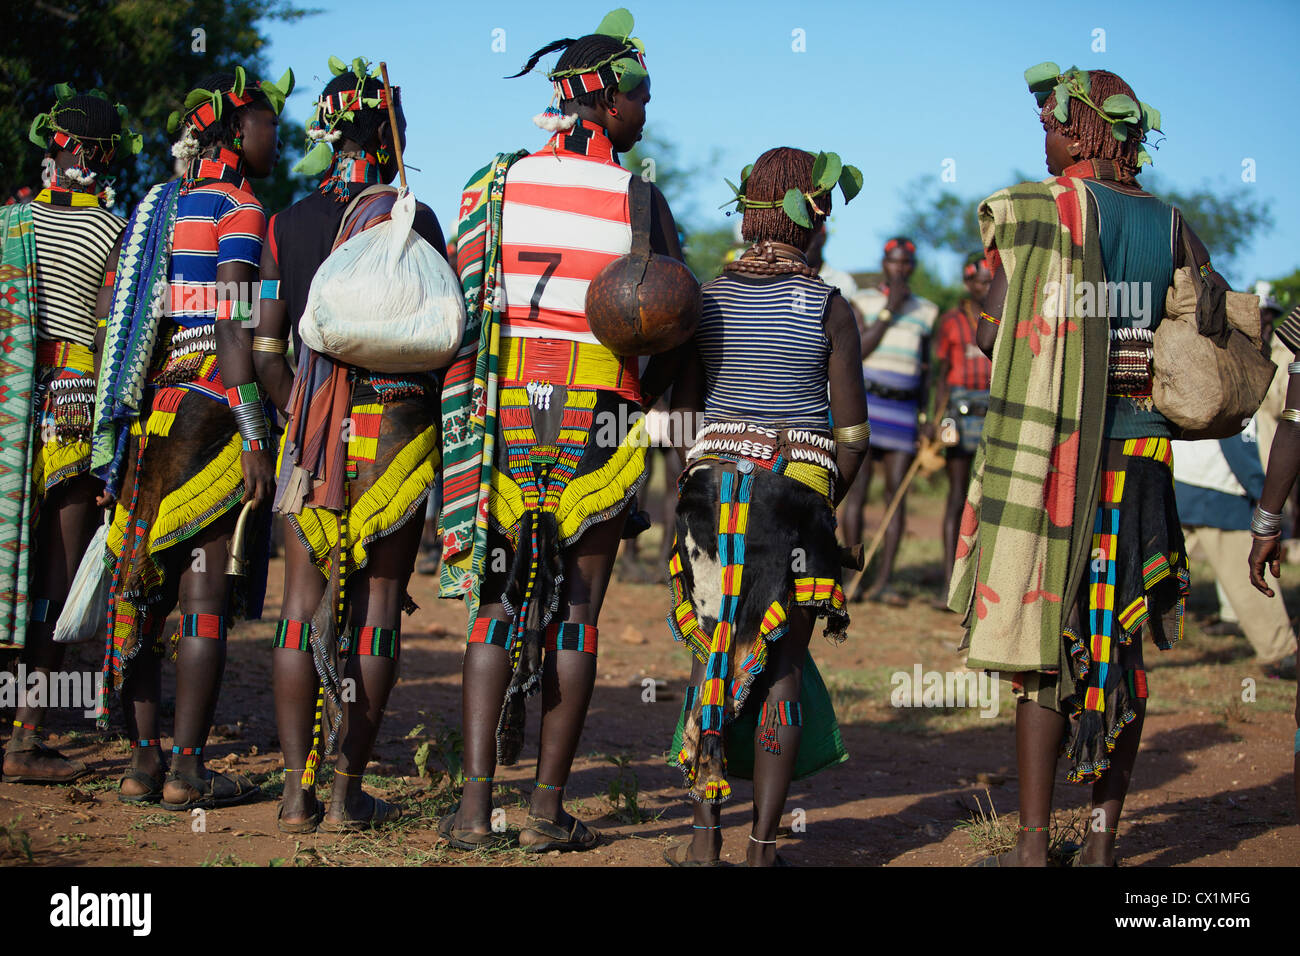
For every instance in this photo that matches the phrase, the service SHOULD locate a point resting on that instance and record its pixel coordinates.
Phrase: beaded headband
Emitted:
(46, 130)
(907, 245)
(339, 107)
(203, 107)
(624, 69)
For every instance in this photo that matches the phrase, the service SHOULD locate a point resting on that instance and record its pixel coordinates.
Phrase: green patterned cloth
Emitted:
(469, 391)
(139, 302)
(1027, 526)
(17, 380)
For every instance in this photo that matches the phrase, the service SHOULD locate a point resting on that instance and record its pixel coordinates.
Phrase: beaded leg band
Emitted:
(140, 744)
(211, 626)
(371, 641)
(478, 779)
(293, 635)
(23, 725)
(187, 751)
(564, 636)
(786, 713)
(548, 786)
(486, 630)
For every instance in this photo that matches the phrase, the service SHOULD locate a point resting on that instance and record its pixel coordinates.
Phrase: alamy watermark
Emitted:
(1084, 300)
(922, 688)
(73, 690)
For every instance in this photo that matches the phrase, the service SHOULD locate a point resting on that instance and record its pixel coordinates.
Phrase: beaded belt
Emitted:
(53, 354)
(1129, 371)
(803, 454)
(186, 350)
(563, 362)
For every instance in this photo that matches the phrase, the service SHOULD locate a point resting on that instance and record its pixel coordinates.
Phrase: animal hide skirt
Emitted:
(751, 544)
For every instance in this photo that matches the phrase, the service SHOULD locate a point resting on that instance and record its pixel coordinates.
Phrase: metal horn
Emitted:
(236, 563)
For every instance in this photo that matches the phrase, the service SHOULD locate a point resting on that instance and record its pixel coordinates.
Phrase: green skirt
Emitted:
(820, 745)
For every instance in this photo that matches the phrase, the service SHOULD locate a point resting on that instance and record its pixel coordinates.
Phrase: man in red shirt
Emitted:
(962, 396)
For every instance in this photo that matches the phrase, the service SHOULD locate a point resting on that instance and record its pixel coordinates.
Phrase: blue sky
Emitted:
(895, 90)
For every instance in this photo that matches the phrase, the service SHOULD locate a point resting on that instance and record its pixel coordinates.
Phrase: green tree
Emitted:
(1287, 290)
(146, 54)
(1227, 220)
(705, 240)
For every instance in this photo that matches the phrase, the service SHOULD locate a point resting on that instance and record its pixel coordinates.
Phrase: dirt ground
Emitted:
(1213, 785)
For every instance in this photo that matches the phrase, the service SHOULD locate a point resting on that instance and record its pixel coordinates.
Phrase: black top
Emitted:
(302, 237)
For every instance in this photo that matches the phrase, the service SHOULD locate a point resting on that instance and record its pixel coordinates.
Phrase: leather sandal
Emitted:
(577, 838)
(679, 856)
(75, 769)
(214, 790)
(381, 812)
(309, 825)
(468, 839)
(153, 786)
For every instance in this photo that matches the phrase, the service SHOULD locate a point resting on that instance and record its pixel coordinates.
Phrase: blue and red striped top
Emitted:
(218, 220)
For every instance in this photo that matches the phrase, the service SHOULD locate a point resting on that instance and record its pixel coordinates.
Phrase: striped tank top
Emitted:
(765, 350)
(72, 249)
(565, 217)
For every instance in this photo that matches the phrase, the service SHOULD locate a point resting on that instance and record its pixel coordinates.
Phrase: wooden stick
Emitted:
(392, 123)
(884, 526)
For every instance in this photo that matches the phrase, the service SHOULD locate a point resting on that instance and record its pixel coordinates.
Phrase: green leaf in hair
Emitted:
(337, 66)
(174, 121)
(850, 182)
(1121, 107)
(359, 68)
(1062, 109)
(64, 91)
(195, 97)
(316, 161)
(134, 143)
(617, 23)
(1120, 130)
(796, 207)
(630, 74)
(238, 88)
(1150, 119)
(1041, 78)
(36, 131)
(734, 188)
(830, 171)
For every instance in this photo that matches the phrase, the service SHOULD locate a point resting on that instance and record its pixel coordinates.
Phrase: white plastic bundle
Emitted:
(385, 300)
(85, 612)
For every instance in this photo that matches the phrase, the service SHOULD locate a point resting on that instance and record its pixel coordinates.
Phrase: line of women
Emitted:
(157, 348)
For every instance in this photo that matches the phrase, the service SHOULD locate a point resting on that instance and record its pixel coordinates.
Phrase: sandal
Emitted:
(468, 839)
(214, 790)
(381, 812)
(579, 836)
(677, 856)
(302, 826)
(75, 769)
(153, 786)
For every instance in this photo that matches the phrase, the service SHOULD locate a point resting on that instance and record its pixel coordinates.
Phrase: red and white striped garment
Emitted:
(565, 218)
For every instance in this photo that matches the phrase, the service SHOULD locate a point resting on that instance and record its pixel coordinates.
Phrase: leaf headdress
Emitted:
(828, 172)
(1119, 110)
